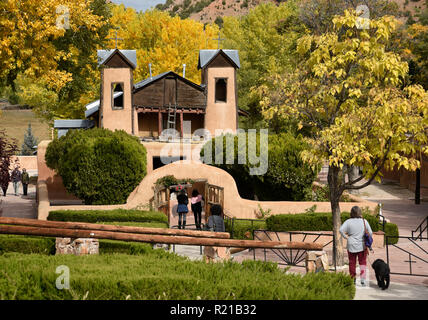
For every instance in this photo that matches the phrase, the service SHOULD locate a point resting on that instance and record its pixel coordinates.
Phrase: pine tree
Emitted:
(30, 141)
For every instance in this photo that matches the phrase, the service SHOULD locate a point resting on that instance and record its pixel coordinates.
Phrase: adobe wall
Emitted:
(27, 162)
(54, 184)
(407, 179)
(234, 205)
(123, 119)
(221, 115)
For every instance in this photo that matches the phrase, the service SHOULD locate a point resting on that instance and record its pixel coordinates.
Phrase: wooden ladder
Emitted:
(172, 112)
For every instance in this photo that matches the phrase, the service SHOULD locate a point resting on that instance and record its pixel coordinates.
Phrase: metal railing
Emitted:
(421, 229)
(290, 257)
(410, 254)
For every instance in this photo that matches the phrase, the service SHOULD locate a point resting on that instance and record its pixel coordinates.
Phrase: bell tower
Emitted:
(218, 69)
(116, 109)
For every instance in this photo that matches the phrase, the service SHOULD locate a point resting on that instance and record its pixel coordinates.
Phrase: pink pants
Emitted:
(352, 256)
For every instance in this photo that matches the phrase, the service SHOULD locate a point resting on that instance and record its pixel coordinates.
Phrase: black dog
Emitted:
(382, 273)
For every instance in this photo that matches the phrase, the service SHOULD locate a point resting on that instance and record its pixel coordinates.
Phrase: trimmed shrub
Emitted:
(26, 244)
(161, 275)
(391, 229)
(123, 247)
(311, 222)
(98, 166)
(287, 176)
(117, 215)
(243, 229)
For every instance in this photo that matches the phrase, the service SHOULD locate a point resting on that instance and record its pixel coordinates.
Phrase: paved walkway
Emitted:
(19, 206)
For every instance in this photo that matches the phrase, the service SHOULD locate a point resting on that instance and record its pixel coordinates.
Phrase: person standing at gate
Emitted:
(16, 179)
(215, 221)
(182, 209)
(353, 230)
(196, 204)
(25, 179)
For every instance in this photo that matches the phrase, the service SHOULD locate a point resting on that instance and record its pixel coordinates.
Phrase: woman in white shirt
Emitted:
(353, 230)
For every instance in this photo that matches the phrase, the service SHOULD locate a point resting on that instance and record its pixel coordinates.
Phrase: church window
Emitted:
(117, 99)
(221, 90)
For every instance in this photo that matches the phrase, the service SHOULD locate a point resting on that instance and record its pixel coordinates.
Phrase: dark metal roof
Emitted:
(206, 56)
(130, 56)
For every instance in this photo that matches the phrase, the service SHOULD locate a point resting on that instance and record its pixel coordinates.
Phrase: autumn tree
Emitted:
(48, 50)
(164, 41)
(352, 95)
(317, 15)
(266, 39)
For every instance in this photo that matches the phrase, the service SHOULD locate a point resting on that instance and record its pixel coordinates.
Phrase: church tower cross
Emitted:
(219, 40)
(115, 38)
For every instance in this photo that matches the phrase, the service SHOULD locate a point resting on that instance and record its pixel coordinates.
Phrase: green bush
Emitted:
(311, 222)
(287, 176)
(242, 228)
(123, 247)
(97, 165)
(26, 244)
(117, 215)
(161, 275)
(391, 229)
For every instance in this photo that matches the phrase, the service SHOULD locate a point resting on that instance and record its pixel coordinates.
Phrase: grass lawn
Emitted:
(15, 122)
(161, 275)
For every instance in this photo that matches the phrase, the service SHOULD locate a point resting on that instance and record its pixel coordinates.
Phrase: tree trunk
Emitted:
(353, 174)
(334, 182)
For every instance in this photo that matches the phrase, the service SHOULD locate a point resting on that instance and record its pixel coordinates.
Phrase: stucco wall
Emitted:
(221, 115)
(234, 205)
(123, 119)
(27, 162)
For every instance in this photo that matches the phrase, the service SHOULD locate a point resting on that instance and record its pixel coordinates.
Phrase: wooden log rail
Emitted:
(112, 228)
(47, 228)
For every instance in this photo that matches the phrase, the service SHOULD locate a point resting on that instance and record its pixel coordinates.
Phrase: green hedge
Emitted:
(26, 244)
(391, 229)
(46, 246)
(311, 222)
(161, 275)
(241, 228)
(117, 215)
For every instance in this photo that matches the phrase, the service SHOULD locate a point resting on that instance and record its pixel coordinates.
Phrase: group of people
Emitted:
(16, 177)
(215, 221)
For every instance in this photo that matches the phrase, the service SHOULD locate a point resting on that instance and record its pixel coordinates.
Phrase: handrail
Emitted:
(421, 230)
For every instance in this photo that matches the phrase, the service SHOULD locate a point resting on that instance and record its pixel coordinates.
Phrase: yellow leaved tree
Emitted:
(350, 93)
(164, 41)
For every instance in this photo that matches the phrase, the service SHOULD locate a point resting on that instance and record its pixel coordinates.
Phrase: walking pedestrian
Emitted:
(4, 180)
(353, 230)
(16, 179)
(182, 209)
(25, 179)
(196, 205)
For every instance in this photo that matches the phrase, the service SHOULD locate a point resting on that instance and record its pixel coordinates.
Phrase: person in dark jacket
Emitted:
(16, 179)
(182, 209)
(215, 220)
(196, 202)
(4, 180)
(25, 179)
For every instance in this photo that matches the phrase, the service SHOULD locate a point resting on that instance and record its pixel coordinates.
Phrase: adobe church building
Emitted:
(191, 112)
